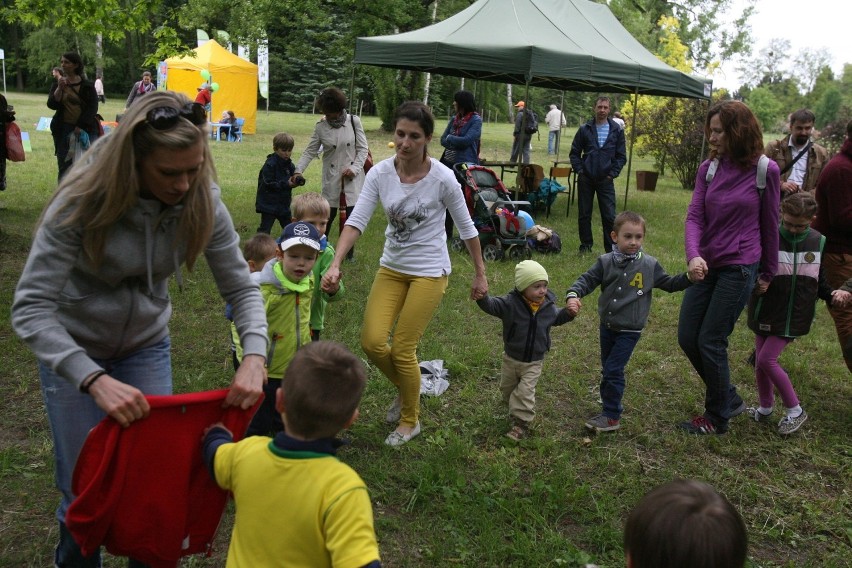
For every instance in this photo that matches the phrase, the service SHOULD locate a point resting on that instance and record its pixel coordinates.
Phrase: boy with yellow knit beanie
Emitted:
(528, 312)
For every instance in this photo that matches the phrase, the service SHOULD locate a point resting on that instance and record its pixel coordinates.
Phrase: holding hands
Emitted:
(573, 306)
(697, 269)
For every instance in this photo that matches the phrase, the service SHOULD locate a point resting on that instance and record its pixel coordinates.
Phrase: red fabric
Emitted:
(203, 97)
(144, 491)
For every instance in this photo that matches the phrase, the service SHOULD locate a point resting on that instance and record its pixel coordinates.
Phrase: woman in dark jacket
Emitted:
(461, 138)
(75, 101)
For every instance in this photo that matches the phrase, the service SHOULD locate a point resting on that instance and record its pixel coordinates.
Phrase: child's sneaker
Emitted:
(758, 416)
(518, 432)
(702, 427)
(789, 425)
(601, 423)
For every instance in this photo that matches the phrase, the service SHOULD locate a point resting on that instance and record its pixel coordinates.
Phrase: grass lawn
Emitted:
(463, 494)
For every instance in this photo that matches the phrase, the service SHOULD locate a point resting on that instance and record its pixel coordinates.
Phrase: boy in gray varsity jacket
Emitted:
(627, 277)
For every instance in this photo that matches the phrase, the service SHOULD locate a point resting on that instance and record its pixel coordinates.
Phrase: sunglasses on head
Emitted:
(165, 118)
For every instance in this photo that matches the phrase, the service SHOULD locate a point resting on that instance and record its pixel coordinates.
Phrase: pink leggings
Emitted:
(769, 373)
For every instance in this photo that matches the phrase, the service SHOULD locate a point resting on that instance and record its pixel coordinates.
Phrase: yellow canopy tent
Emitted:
(237, 80)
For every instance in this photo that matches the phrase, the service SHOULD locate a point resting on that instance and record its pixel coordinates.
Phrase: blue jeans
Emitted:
(72, 414)
(553, 142)
(708, 313)
(616, 349)
(586, 190)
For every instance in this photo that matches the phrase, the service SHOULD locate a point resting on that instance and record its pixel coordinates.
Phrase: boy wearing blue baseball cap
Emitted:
(286, 284)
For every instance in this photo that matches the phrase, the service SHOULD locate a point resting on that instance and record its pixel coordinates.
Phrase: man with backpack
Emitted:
(524, 129)
(597, 155)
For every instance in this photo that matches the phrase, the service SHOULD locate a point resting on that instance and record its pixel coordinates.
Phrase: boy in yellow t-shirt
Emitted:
(297, 504)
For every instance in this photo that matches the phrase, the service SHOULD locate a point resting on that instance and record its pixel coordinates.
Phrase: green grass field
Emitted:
(462, 494)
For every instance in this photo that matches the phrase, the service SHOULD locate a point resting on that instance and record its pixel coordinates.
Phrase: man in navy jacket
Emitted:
(597, 155)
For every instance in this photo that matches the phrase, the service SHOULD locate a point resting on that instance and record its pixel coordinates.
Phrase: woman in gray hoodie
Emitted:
(93, 302)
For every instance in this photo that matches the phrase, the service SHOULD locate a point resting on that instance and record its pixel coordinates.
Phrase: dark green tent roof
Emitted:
(573, 45)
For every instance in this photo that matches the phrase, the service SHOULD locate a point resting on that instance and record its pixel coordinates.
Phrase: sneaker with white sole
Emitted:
(397, 439)
(701, 426)
(789, 425)
(394, 411)
(737, 410)
(758, 416)
(601, 423)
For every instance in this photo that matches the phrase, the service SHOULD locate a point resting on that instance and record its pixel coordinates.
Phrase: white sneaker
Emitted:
(397, 439)
(394, 411)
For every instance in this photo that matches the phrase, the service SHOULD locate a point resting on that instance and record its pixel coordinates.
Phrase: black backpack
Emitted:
(532, 122)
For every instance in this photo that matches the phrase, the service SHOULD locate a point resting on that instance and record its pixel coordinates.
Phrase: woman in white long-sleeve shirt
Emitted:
(415, 191)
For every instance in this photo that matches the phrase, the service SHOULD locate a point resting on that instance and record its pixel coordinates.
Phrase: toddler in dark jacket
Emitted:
(528, 312)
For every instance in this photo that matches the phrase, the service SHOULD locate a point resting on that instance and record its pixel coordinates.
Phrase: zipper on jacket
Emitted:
(790, 300)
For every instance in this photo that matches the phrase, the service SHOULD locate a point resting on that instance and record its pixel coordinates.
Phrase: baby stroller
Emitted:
(501, 232)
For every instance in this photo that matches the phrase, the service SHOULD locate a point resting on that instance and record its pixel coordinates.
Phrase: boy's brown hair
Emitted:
(685, 523)
(628, 217)
(283, 141)
(799, 204)
(322, 388)
(309, 204)
(260, 248)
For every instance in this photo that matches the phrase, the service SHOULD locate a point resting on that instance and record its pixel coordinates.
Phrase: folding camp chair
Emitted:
(558, 171)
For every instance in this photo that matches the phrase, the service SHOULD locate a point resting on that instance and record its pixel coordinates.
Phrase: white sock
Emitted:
(794, 412)
(765, 411)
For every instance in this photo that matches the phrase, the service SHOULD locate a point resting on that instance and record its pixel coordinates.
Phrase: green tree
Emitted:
(827, 108)
(766, 108)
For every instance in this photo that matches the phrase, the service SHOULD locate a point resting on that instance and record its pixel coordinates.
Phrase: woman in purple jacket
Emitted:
(731, 240)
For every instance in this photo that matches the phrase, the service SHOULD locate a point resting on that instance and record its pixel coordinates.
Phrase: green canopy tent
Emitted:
(573, 45)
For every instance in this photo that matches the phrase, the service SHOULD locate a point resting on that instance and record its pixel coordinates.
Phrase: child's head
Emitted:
(628, 232)
(282, 144)
(297, 250)
(311, 208)
(685, 523)
(531, 280)
(258, 250)
(798, 211)
(320, 390)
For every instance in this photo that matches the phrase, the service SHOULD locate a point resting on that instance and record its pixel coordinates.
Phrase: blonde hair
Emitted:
(99, 190)
(309, 204)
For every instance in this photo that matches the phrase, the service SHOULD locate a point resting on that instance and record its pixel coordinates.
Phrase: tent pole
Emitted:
(632, 141)
(352, 89)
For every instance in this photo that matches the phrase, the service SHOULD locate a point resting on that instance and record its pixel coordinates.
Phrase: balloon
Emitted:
(214, 86)
(528, 220)
(205, 74)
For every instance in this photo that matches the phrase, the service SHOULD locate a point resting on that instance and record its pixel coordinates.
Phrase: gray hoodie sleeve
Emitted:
(52, 257)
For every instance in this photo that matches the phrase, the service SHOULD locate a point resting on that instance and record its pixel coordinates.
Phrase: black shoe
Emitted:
(585, 249)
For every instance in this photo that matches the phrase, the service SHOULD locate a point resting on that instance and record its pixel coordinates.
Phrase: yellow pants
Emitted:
(409, 302)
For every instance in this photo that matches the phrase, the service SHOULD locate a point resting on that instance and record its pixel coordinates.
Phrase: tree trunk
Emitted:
(509, 103)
